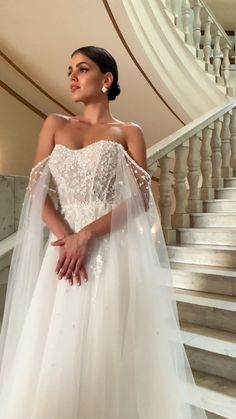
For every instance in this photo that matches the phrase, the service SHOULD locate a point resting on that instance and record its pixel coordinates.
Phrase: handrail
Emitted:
(220, 28)
(168, 144)
(203, 154)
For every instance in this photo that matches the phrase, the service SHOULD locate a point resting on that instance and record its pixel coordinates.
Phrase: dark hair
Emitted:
(105, 62)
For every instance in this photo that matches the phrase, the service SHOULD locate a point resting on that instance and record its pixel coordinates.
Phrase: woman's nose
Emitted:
(73, 76)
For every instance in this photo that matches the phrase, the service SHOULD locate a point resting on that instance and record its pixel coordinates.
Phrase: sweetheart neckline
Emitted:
(95, 142)
(107, 141)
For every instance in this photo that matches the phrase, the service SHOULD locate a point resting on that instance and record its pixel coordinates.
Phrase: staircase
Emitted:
(204, 274)
(197, 200)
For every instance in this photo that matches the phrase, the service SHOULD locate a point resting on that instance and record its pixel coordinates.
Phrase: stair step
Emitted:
(230, 182)
(6, 246)
(219, 205)
(209, 220)
(204, 278)
(223, 256)
(3, 289)
(225, 193)
(216, 236)
(205, 309)
(218, 395)
(210, 350)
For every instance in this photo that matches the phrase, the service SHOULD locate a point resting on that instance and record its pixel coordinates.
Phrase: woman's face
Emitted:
(86, 79)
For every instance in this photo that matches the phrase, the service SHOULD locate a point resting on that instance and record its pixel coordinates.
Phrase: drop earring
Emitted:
(104, 89)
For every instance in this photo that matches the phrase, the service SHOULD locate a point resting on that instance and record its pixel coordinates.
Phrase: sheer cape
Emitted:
(147, 348)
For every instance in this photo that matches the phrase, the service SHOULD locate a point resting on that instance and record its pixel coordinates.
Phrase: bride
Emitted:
(90, 327)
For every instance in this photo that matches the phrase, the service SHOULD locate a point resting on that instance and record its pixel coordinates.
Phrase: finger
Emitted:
(83, 273)
(59, 242)
(64, 267)
(77, 279)
(77, 266)
(70, 269)
(59, 264)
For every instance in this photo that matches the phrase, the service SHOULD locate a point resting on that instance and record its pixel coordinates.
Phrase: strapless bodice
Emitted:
(85, 175)
(85, 178)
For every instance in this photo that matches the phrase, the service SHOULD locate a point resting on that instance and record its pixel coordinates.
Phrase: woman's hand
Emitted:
(72, 252)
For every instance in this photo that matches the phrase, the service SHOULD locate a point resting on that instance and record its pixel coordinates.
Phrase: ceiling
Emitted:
(225, 12)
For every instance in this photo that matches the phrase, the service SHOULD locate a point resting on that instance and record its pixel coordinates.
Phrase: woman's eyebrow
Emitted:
(77, 65)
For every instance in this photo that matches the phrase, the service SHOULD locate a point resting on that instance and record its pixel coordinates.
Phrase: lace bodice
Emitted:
(86, 179)
(85, 175)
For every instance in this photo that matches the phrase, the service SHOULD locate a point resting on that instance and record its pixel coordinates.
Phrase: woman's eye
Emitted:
(82, 69)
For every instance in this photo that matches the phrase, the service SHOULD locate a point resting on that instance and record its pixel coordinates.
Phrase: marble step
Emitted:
(219, 256)
(219, 205)
(218, 395)
(230, 182)
(209, 220)
(210, 350)
(225, 193)
(215, 236)
(204, 278)
(6, 246)
(206, 309)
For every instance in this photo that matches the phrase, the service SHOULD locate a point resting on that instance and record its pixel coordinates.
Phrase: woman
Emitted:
(90, 327)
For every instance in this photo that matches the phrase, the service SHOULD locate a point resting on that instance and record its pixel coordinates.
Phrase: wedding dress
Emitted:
(111, 348)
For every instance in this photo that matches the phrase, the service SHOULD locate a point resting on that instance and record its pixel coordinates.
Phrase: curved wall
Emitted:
(169, 64)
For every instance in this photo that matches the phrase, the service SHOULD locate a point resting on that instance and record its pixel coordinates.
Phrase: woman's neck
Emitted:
(96, 113)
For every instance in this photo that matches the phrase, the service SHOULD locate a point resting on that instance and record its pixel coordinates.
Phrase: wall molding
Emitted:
(25, 102)
(33, 83)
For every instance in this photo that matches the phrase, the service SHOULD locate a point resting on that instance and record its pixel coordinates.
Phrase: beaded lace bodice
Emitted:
(85, 175)
(86, 178)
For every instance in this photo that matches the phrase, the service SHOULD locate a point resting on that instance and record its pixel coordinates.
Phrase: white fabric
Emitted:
(112, 348)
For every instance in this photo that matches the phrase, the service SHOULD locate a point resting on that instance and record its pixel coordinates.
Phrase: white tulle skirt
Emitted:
(109, 349)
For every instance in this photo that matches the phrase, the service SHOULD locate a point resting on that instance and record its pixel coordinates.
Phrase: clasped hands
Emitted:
(72, 253)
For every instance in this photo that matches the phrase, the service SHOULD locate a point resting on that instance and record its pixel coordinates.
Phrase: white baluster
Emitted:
(226, 63)
(186, 12)
(194, 201)
(207, 192)
(233, 139)
(226, 170)
(180, 217)
(217, 181)
(174, 8)
(196, 6)
(207, 41)
(217, 54)
(165, 201)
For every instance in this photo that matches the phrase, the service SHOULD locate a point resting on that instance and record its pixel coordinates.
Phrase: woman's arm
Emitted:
(51, 216)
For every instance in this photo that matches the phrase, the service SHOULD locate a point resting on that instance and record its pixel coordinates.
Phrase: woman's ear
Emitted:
(108, 79)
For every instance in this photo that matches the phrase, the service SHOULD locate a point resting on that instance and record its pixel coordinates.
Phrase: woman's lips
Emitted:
(74, 88)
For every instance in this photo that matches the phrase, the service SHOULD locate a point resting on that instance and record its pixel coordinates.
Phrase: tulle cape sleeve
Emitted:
(25, 263)
(151, 331)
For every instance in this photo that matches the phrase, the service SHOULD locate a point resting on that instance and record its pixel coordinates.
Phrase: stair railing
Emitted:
(212, 44)
(203, 153)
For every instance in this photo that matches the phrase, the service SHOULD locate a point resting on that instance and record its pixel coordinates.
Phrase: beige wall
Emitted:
(19, 128)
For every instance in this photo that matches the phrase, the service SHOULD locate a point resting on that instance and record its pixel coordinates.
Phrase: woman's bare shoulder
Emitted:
(58, 118)
(130, 129)
(133, 133)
